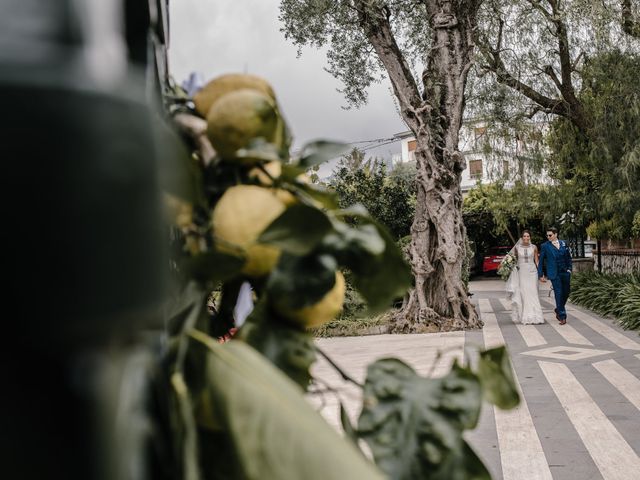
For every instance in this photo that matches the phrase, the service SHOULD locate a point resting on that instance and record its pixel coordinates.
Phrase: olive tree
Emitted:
(537, 51)
(426, 50)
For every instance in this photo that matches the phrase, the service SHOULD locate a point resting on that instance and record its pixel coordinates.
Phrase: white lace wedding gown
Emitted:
(523, 288)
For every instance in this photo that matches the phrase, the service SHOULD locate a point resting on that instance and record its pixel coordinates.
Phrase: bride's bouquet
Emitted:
(506, 266)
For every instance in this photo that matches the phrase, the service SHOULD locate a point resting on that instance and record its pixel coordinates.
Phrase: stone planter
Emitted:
(583, 265)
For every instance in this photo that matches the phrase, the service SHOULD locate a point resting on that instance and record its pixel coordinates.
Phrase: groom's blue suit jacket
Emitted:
(557, 260)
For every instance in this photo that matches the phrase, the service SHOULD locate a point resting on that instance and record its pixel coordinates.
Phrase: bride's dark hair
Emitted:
(523, 232)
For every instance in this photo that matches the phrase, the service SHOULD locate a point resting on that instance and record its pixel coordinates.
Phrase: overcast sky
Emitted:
(222, 36)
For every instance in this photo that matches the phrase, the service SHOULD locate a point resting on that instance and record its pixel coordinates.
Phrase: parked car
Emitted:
(492, 259)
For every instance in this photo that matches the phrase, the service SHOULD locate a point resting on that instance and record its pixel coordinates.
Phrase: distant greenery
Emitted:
(614, 295)
(635, 228)
(354, 326)
(388, 195)
(496, 215)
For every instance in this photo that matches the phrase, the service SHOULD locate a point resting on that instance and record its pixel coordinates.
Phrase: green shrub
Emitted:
(353, 320)
(615, 295)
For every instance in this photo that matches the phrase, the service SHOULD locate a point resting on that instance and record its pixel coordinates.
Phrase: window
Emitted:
(505, 168)
(475, 168)
(479, 137)
(479, 131)
(412, 150)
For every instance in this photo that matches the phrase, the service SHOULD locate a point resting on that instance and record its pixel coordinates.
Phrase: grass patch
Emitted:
(617, 296)
(353, 321)
(349, 326)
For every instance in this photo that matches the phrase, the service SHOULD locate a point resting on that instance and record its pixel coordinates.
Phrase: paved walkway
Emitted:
(580, 415)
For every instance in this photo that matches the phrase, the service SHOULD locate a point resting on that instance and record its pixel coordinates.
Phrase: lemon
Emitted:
(227, 83)
(321, 312)
(274, 170)
(239, 117)
(238, 219)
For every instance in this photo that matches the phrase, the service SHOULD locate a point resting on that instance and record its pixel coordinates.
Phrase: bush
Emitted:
(635, 228)
(353, 320)
(614, 295)
(388, 196)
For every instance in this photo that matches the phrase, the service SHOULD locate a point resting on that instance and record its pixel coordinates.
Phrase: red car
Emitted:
(492, 259)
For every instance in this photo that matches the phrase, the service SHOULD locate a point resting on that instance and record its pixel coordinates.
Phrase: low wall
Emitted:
(619, 261)
(582, 264)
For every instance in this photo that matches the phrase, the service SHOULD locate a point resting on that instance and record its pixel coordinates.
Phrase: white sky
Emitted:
(222, 36)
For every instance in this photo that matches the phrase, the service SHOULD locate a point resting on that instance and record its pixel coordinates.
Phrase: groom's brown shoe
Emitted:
(557, 316)
(563, 321)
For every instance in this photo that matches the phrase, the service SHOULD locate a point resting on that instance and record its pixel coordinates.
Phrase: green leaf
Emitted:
(363, 239)
(179, 173)
(212, 267)
(327, 198)
(288, 348)
(291, 171)
(259, 150)
(300, 281)
(275, 431)
(414, 425)
(496, 377)
(350, 432)
(283, 137)
(320, 151)
(379, 277)
(298, 230)
(179, 306)
(355, 210)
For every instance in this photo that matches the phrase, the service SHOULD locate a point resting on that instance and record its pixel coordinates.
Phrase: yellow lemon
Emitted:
(239, 117)
(238, 219)
(273, 169)
(227, 83)
(325, 310)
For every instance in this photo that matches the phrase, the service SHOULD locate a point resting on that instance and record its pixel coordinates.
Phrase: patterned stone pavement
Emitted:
(580, 415)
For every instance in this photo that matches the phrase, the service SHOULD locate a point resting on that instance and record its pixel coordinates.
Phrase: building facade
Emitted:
(491, 154)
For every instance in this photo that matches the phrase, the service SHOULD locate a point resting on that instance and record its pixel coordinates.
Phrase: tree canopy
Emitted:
(599, 173)
(388, 196)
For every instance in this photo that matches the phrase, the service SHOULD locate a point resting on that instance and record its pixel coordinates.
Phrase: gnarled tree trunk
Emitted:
(437, 246)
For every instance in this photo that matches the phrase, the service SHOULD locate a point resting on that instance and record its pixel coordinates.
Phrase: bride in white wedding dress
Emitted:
(522, 285)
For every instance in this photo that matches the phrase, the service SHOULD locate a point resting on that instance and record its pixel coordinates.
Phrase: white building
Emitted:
(490, 156)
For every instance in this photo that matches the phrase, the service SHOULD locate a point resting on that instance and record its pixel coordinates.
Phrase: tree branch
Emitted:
(375, 23)
(537, 6)
(496, 65)
(567, 104)
(563, 53)
(548, 69)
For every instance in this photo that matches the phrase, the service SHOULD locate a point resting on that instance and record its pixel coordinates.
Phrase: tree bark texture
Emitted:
(437, 247)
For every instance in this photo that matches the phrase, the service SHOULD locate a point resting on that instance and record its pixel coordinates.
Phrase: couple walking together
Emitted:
(522, 285)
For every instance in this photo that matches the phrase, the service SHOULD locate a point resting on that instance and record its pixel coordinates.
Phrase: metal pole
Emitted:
(599, 256)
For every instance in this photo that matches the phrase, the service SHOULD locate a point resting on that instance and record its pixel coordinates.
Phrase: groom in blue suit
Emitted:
(556, 256)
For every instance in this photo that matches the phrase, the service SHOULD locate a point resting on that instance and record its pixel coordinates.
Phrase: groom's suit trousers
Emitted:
(561, 289)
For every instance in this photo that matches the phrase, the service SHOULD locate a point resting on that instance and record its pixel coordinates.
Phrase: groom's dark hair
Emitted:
(552, 229)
